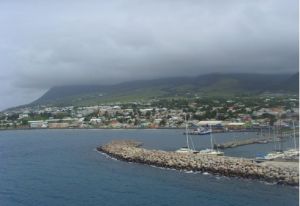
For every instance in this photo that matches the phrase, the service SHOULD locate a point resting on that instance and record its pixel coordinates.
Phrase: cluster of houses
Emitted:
(147, 116)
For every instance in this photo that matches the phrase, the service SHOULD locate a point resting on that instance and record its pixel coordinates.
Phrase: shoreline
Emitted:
(130, 151)
(103, 128)
(24, 129)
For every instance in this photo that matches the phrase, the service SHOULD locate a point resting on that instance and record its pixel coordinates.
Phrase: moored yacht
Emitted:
(280, 154)
(274, 155)
(187, 148)
(211, 151)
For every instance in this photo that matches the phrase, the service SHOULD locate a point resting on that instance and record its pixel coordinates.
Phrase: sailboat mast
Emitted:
(186, 133)
(211, 140)
(280, 136)
(274, 137)
(295, 143)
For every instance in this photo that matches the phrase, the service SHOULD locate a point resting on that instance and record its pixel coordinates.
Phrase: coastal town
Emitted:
(149, 103)
(236, 113)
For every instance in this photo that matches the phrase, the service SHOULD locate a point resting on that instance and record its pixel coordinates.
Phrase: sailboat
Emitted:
(211, 151)
(292, 153)
(279, 153)
(188, 148)
(262, 140)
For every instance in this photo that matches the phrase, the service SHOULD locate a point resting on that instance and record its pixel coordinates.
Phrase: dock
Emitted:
(238, 143)
(257, 140)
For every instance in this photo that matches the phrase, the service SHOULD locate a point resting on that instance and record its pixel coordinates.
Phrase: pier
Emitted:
(257, 140)
(132, 151)
(238, 143)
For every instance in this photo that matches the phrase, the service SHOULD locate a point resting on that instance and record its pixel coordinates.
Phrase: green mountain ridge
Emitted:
(210, 84)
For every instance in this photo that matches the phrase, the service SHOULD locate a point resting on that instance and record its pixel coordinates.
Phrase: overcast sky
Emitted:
(59, 42)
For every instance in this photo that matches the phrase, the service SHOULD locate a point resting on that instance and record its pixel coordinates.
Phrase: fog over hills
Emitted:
(45, 44)
(210, 84)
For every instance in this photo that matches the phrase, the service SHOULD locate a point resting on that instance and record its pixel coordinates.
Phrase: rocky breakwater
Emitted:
(131, 151)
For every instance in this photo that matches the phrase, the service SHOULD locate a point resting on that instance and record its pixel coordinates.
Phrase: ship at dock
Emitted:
(199, 131)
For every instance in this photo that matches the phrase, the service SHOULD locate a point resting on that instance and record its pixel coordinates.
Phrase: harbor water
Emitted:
(62, 167)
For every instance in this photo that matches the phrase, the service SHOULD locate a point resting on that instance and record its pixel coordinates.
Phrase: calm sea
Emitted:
(61, 167)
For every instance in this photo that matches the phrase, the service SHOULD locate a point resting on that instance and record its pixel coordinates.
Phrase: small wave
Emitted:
(162, 168)
(192, 172)
(107, 156)
(269, 183)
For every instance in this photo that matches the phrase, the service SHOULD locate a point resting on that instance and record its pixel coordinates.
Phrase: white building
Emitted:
(210, 122)
(38, 124)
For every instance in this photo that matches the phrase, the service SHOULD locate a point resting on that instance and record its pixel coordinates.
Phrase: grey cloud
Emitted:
(74, 42)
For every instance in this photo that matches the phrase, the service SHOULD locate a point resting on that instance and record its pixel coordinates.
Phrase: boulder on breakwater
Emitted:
(131, 151)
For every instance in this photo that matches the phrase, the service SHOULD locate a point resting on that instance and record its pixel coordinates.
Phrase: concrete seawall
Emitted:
(242, 142)
(238, 143)
(131, 151)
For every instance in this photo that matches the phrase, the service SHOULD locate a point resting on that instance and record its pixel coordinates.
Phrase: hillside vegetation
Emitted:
(209, 85)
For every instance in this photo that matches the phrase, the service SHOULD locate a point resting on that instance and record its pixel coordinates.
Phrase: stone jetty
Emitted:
(238, 143)
(131, 151)
(242, 142)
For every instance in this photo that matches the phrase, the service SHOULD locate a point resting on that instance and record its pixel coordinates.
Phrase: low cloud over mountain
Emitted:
(45, 44)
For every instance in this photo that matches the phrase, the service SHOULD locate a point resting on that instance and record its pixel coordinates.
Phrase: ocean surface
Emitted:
(62, 167)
